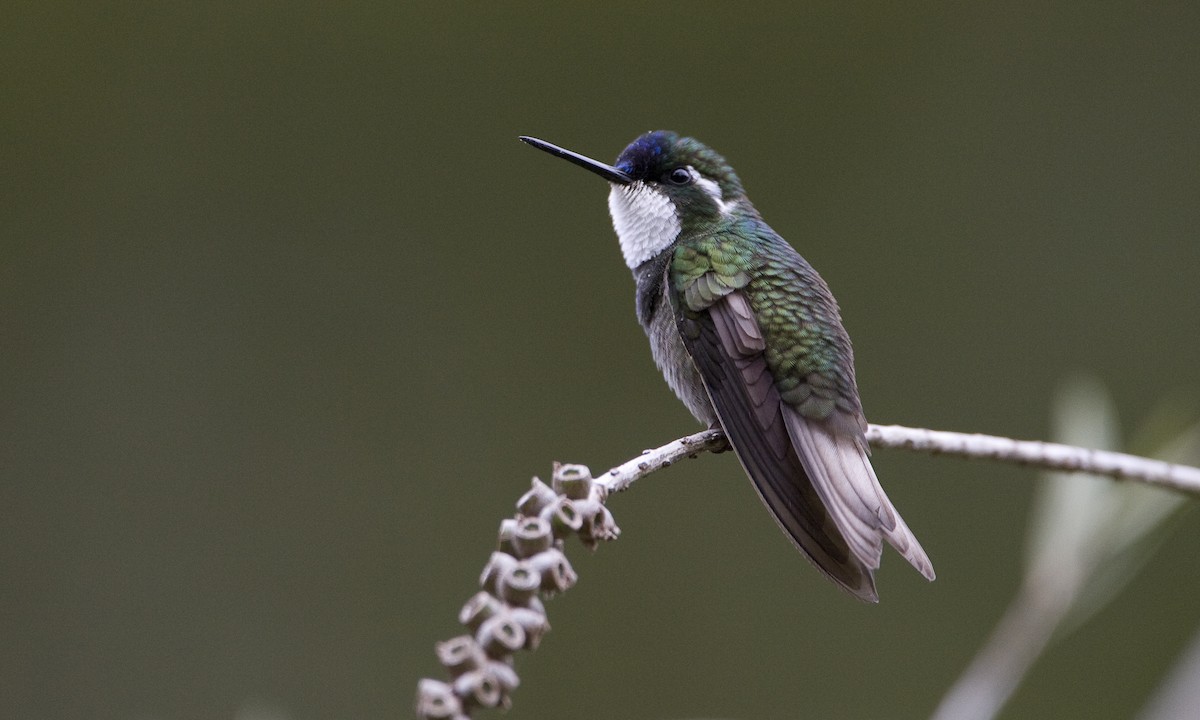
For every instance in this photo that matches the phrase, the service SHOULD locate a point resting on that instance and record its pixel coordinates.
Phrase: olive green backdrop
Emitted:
(289, 318)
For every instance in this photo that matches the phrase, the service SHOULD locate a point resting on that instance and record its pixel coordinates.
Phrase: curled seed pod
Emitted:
(538, 497)
(587, 509)
(563, 516)
(508, 526)
(436, 701)
(533, 623)
(599, 493)
(589, 534)
(606, 527)
(501, 635)
(518, 583)
(504, 673)
(497, 565)
(598, 527)
(532, 536)
(586, 536)
(460, 654)
(501, 672)
(479, 687)
(557, 573)
(480, 607)
(574, 481)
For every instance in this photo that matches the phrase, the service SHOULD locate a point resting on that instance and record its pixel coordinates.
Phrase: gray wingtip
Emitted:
(838, 466)
(871, 597)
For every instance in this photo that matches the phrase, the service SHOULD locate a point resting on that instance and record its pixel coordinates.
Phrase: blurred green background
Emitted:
(290, 318)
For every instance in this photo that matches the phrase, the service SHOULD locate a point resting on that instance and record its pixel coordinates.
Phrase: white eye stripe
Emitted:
(713, 190)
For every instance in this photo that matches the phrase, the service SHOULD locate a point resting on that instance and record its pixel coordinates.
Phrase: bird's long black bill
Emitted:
(608, 172)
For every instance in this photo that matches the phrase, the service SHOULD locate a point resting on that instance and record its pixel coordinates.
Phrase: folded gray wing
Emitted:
(814, 476)
(726, 346)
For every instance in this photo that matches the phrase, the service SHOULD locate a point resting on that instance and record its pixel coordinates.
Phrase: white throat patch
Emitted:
(644, 219)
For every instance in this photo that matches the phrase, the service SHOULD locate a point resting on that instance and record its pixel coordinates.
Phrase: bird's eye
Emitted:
(680, 176)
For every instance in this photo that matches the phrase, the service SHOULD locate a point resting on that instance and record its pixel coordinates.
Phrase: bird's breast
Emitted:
(674, 361)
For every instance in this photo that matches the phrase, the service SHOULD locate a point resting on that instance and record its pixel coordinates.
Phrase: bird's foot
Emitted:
(725, 446)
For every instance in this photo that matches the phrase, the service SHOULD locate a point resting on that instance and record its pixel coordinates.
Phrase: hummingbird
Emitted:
(750, 338)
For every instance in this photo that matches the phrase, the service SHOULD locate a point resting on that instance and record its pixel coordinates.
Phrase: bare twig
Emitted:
(624, 475)
(1051, 456)
(1034, 453)
(508, 615)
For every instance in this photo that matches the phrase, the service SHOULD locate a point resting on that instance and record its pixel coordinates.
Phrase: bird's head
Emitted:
(662, 185)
